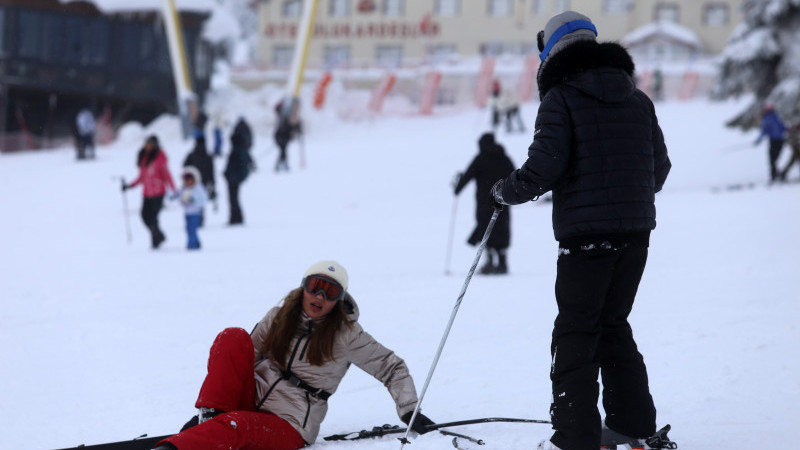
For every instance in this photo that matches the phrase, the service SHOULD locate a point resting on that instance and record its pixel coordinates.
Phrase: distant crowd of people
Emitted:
(198, 186)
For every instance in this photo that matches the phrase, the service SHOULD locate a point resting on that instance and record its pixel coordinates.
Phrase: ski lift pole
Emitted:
(404, 440)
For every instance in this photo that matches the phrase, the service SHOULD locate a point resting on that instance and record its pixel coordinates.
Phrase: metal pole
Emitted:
(404, 440)
(125, 213)
(450, 236)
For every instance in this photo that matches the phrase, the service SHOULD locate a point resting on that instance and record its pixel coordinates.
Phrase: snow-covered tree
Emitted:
(763, 58)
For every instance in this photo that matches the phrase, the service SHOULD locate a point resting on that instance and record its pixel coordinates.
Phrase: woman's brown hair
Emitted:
(285, 325)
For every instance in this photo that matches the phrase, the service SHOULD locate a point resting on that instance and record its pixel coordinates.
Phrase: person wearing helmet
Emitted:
(270, 388)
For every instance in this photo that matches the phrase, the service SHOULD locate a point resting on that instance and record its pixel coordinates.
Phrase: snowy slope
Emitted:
(104, 340)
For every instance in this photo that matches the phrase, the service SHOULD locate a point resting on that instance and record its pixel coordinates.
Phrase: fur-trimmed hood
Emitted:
(585, 65)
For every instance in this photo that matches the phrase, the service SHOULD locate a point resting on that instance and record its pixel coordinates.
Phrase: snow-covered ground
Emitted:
(104, 340)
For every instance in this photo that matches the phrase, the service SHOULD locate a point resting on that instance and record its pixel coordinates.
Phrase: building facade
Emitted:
(57, 58)
(405, 33)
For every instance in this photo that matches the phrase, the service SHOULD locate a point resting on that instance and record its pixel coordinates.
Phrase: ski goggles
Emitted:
(328, 287)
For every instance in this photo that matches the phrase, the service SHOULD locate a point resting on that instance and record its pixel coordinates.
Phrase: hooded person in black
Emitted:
(598, 147)
(491, 164)
(238, 168)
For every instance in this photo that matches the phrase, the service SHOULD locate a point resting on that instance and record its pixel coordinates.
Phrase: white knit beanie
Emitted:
(330, 269)
(583, 30)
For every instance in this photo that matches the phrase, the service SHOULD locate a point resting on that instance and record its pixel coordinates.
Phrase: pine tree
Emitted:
(763, 58)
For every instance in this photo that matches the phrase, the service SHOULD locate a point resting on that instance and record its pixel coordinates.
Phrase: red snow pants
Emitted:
(230, 386)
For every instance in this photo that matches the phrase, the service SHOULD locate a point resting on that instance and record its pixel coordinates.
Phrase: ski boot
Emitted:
(611, 440)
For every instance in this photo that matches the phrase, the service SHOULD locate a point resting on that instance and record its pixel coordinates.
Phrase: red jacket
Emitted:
(154, 177)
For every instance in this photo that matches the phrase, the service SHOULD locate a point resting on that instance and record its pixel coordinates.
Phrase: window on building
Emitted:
(448, 8)
(282, 56)
(495, 49)
(616, 7)
(29, 36)
(501, 8)
(292, 8)
(75, 49)
(2, 28)
(389, 56)
(716, 14)
(336, 56)
(539, 7)
(394, 8)
(560, 6)
(53, 36)
(148, 49)
(667, 12)
(97, 37)
(438, 53)
(339, 8)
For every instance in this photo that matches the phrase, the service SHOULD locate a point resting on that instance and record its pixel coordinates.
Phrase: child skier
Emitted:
(193, 197)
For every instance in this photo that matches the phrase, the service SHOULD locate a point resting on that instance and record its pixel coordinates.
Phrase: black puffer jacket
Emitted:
(597, 145)
(490, 165)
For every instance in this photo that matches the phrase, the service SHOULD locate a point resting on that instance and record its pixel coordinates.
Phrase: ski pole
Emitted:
(404, 440)
(125, 212)
(462, 436)
(395, 429)
(450, 236)
(736, 147)
(302, 142)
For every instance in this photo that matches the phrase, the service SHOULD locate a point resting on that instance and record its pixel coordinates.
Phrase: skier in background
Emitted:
(794, 145)
(598, 146)
(193, 198)
(261, 393)
(155, 178)
(289, 127)
(511, 106)
(772, 127)
(219, 123)
(238, 168)
(200, 159)
(85, 126)
(490, 165)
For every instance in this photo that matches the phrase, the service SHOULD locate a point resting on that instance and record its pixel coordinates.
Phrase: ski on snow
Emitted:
(142, 442)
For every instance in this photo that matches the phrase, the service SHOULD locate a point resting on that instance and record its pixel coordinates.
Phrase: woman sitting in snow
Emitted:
(270, 389)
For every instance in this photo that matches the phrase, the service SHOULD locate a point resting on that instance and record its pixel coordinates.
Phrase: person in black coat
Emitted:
(598, 147)
(200, 158)
(491, 164)
(238, 168)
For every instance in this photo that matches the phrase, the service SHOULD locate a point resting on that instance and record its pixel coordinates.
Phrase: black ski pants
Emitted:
(151, 206)
(236, 216)
(775, 147)
(595, 290)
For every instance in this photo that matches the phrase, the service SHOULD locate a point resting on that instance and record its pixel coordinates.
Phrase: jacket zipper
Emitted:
(288, 368)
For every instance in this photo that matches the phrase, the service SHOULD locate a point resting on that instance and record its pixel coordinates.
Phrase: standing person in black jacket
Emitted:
(239, 166)
(200, 159)
(598, 146)
(490, 165)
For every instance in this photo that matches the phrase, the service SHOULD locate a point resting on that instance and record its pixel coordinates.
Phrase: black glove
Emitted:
(421, 423)
(456, 179)
(497, 195)
(125, 187)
